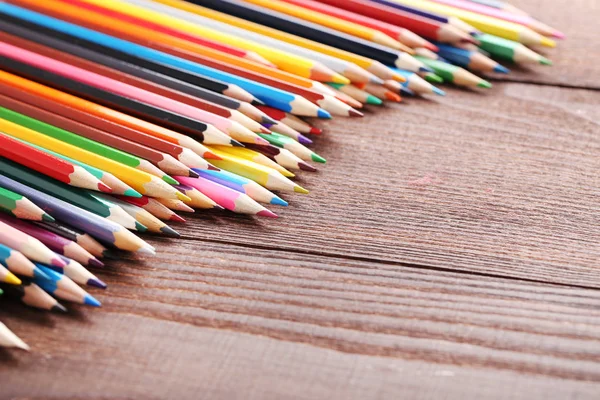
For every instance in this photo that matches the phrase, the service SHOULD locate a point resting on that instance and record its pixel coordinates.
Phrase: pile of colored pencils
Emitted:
(118, 115)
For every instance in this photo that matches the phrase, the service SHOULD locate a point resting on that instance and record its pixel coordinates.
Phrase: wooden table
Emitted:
(449, 250)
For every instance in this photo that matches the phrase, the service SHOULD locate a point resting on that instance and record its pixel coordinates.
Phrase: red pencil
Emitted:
(424, 27)
(44, 163)
(402, 35)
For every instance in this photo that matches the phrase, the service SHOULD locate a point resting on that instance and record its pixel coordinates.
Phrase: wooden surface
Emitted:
(456, 259)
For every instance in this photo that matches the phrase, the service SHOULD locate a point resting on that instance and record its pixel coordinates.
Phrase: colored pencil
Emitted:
(29, 246)
(98, 227)
(258, 74)
(9, 339)
(17, 263)
(56, 114)
(199, 200)
(164, 162)
(144, 217)
(456, 75)
(141, 181)
(290, 120)
(32, 295)
(380, 92)
(80, 275)
(85, 77)
(78, 197)
(63, 287)
(446, 19)
(494, 26)
(524, 20)
(243, 185)
(49, 165)
(328, 18)
(501, 5)
(297, 26)
(21, 207)
(374, 67)
(54, 242)
(8, 277)
(255, 157)
(358, 94)
(404, 36)
(510, 50)
(81, 238)
(295, 147)
(265, 176)
(419, 85)
(283, 157)
(154, 207)
(470, 59)
(178, 67)
(285, 61)
(197, 79)
(177, 205)
(228, 198)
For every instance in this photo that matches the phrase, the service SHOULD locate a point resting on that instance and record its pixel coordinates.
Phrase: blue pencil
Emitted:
(471, 59)
(417, 84)
(63, 287)
(79, 274)
(271, 96)
(18, 264)
(243, 185)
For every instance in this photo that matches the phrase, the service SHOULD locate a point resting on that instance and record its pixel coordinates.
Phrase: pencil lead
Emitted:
(315, 130)
(147, 250)
(96, 283)
(47, 217)
(193, 174)
(168, 231)
(318, 158)
(304, 140)
(300, 189)
(267, 213)
(176, 218)
(484, 84)
(501, 69)
(438, 91)
(268, 120)
(304, 166)
(169, 180)
(94, 262)
(353, 113)
(323, 114)
(213, 168)
(545, 61)
(374, 100)
(103, 187)
(235, 143)
(91, 301)
(59, 308)
(132, 193)
(140, 228)
(425, 69)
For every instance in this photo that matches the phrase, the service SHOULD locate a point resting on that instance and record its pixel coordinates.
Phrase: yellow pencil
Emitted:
(375, 67)
(265, 176)
(289, 62)
(141, 181)
(254, 156)
(484, 23)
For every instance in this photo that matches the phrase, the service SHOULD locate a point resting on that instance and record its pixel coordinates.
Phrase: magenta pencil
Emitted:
(29, 246)
(54, 242)
(231, 128)
(226, 197)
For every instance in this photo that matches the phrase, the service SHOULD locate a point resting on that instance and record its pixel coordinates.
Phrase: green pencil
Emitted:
(85, 143)
(290, 144)
(117, 185)
(452, 73)
(78, 197)
(21, 207)
(510, 50)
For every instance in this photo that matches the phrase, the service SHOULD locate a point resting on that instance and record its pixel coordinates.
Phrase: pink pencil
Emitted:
(54, 242)
(226, 197)
(524, 20)
(232, 128)
(29, 246)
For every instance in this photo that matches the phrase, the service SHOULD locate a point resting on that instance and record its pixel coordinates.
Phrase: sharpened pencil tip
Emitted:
(267, 213)
(169, 180)
(235, 143)
(337, 78)
(213, 168)
(265, 130)
(58, 262)
(355, 114)
(317, 158)
(146, 250)
(323, 114)
(94, 262)
(374, 100)
(140, 227)
(279, 201)
(193, 174)
(168, 231)
(501, 69)
(103, 187)
(425, 69)
(545, 61)
(96, 283)
(268, 120)
(315, 130)
(484, 84)
(209, 155)
(260, 141)
(406, 90)
(176, 218)
(38, 273)
(59, 308)
(91, 301)
(438, 91)
(11, 279)
(304, 140)
(182, 196)
(48, 218)
(304, 166)
(433, 78)
(132, 193)
(300, 189)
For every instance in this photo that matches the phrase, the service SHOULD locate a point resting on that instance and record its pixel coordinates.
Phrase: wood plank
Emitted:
(222, 321)
(577, 58)
(502, 183)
